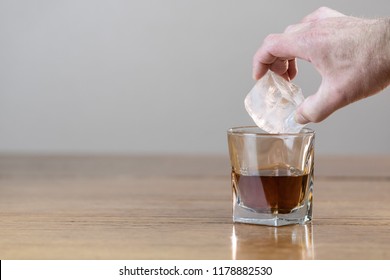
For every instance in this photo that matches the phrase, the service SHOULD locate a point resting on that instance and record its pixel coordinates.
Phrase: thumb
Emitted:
(318, 106)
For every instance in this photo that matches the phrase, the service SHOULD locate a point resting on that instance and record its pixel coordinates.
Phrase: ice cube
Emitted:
(272, 103)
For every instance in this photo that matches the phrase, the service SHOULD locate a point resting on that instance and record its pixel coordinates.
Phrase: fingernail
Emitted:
(299, 118)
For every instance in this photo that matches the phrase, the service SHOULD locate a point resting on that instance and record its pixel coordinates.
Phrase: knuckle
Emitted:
(322, 10)
(271, 41)
(292, 28)
(289, 28)
(271, 38)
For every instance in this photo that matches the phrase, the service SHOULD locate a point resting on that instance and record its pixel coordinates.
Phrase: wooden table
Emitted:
(179, 207)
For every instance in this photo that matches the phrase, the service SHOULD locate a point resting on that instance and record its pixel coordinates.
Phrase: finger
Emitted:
(292, 68)
(275, 46)
(262, 61)
(321, 13)
(312, 110)
(280, 66)
(284, 68)
(318, 106)
(259, 70)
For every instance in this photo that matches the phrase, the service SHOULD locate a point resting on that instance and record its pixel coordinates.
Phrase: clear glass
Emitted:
(272, 176)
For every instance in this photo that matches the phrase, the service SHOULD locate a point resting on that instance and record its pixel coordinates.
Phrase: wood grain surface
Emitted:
(179, 207)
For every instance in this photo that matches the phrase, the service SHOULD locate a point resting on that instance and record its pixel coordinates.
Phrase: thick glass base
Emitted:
(301, 215)
(272, 219)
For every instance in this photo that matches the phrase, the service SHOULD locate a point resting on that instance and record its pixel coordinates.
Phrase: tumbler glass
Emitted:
(272, 176)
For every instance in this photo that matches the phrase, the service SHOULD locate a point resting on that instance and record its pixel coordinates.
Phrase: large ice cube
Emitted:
(272, 103)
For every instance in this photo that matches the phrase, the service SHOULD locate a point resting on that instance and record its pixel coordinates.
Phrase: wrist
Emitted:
(385, 43)
(379, 53)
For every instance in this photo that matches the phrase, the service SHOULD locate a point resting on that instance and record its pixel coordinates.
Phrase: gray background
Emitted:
(161, 76)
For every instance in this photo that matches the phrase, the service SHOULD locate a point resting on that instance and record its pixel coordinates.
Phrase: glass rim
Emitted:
(245, 130)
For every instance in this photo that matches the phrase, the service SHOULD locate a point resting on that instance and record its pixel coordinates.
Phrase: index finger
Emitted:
(284, 46)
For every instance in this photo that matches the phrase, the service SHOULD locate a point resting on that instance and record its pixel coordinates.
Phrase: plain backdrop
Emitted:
(155, 76)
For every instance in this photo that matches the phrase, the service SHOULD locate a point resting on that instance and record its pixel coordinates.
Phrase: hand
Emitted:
(351, 54)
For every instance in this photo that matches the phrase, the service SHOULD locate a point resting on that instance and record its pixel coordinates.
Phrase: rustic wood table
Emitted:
(179, 207)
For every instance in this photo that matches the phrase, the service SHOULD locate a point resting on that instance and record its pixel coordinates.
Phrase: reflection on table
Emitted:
(260, 242)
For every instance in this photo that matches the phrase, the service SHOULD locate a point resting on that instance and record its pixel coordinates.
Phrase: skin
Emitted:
(351, 54)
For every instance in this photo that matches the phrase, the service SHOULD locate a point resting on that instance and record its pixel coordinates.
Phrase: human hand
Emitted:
(351, 54)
